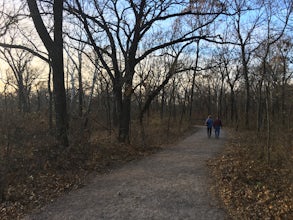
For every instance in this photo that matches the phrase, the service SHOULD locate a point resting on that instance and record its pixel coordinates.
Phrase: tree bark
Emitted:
(124, 119)
(80, 86)
(247, 85)
(193, 80)
(55, 49)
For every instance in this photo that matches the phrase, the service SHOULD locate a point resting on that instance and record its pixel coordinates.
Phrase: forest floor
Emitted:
(251, 183)
(207, 178)
(174, 183)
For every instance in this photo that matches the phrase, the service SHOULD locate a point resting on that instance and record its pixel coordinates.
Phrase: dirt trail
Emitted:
(171, 184)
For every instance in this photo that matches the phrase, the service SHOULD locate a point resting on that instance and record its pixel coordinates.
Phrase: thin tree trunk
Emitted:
(193, 80)
(162, 104)
(268, 145)
(260, 105)
(85, 124)
(247, 85)
(50, 100)
(80, 86)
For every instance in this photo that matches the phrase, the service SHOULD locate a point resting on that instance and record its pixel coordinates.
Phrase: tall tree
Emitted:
(124, 26)
(250, 19)
(244, 39)
(284, 56)
(55, 49)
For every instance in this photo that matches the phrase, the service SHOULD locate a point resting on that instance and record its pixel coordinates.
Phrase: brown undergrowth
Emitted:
(250, 186)
(35, 172)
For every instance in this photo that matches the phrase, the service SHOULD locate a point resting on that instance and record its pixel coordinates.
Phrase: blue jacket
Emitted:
(209, 123)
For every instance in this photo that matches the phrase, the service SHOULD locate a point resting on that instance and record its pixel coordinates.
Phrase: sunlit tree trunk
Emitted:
(50, 99)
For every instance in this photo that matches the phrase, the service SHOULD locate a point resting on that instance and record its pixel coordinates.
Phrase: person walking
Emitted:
(209, 123)
(217, 126)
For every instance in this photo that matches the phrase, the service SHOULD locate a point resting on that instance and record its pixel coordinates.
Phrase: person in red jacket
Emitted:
(217, 126)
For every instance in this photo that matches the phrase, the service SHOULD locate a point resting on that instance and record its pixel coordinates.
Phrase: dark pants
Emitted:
(209, 131)
(217, 131)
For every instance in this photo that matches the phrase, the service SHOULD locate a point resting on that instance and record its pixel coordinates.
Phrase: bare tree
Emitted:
(251, 17)
(123, 28)
(24, 75)
(171, 72)
(229, 69)
(55, 49)
(280, 63)
(8, 17)
(193, 78)
(274, 32)
(244, 40)
(77, 53)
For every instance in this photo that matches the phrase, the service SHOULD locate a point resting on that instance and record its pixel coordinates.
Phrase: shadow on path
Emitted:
(171, 184)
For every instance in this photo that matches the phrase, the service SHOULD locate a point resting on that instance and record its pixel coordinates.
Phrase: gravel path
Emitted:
(171, 184)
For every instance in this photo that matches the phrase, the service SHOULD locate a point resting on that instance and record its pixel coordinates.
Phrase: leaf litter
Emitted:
(249, 186)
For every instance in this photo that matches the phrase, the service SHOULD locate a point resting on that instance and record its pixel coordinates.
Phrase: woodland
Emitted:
(88, 85)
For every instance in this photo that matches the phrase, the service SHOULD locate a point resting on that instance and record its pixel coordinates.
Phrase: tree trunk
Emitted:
(88, 109)
(124, 124)
(232, 104)
(209, 104)
(260, 110)
(55, 49)
(60, 101)
(268, 142)
(80, 86)
(162, 107)
(125, 113)
(153, 94)
(193, 80)
(50, 100)
(220, 110)
(58, 75)
(247, 84)
(284, 82)
(117, 108)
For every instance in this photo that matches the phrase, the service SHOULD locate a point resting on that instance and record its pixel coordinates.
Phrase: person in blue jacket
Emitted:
(209, 123)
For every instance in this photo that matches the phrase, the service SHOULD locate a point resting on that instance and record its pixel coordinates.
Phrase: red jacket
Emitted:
(217, 123)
